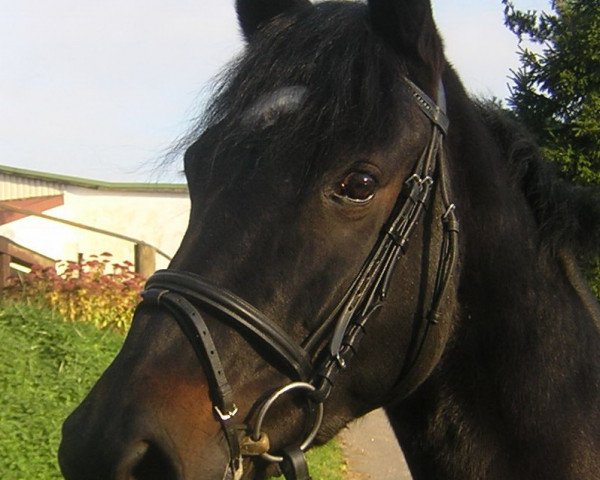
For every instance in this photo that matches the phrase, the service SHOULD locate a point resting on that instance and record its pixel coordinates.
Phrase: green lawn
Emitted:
(46, 367)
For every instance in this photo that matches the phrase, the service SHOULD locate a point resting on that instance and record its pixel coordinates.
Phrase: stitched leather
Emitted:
(269, 334)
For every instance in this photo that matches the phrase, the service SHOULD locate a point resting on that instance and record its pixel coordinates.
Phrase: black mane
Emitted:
(567, 214)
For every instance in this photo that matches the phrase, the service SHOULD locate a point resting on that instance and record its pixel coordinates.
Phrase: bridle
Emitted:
(313, 369)
(315, 364)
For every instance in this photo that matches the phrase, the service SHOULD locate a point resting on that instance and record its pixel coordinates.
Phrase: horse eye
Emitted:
(358, 187)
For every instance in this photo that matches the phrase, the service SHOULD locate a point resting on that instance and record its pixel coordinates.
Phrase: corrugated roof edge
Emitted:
(95, 184)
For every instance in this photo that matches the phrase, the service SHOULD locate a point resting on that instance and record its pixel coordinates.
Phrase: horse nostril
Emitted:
(146, 461)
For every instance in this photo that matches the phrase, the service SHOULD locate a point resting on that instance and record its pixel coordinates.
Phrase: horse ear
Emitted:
(254, 13)
(408, 26)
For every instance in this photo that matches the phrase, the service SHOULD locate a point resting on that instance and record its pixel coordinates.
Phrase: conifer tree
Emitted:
(556, 89)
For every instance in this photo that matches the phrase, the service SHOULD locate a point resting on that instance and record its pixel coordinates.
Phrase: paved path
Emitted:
(372, 451)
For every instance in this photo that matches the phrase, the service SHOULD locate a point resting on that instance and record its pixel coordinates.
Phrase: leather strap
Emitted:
(435, 112)
(294, 466)
(269, 334)
(194, 327)
(369, 289)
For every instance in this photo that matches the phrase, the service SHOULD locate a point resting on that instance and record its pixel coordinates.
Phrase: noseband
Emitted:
(315, 364)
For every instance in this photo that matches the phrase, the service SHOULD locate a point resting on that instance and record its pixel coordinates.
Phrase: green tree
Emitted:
(556, 89)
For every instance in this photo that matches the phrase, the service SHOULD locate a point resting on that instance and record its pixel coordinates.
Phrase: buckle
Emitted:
(226, 416)
(449, 211)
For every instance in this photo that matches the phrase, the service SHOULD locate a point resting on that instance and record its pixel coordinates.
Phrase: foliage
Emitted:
(594, 276)
(46, 367)
(556, 90)
(93, 290)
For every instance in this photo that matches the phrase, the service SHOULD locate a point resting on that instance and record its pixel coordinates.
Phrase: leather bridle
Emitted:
(315, 364)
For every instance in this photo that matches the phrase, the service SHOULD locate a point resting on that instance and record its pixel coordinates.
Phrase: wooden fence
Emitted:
(13, 255)
(144, 254)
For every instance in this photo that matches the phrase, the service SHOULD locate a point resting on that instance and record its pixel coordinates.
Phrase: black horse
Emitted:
(323, 274)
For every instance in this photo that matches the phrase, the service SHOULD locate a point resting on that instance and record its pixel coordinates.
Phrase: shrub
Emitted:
(93, 290)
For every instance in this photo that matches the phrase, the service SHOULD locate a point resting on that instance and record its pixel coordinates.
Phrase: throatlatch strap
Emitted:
(294, 466)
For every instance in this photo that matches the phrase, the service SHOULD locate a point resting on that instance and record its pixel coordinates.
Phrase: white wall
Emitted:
(159, 219)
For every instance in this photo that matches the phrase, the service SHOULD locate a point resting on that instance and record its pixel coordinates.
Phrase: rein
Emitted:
(314, 370)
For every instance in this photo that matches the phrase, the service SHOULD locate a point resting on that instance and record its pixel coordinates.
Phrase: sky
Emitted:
(102, 88)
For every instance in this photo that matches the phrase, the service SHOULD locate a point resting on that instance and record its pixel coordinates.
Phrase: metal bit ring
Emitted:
(267, 405)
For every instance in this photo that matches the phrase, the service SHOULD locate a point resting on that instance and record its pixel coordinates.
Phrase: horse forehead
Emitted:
(271, 105)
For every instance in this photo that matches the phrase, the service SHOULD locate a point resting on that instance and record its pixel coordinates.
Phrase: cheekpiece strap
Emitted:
(435, 111)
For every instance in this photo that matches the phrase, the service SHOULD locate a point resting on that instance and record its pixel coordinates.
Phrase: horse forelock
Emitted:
(311, 87)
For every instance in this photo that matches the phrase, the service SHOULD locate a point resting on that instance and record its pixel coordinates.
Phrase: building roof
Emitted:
(53, 179)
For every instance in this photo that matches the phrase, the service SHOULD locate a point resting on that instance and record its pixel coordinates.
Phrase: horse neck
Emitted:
(517, 393)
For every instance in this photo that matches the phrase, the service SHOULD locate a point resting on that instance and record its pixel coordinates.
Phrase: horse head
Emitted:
(318, 141)
(318, 277)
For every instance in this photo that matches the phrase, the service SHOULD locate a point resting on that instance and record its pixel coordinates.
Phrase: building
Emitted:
(148, 213)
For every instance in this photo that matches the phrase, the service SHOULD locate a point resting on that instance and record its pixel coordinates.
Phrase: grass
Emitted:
(327, 462)
(46, 368)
